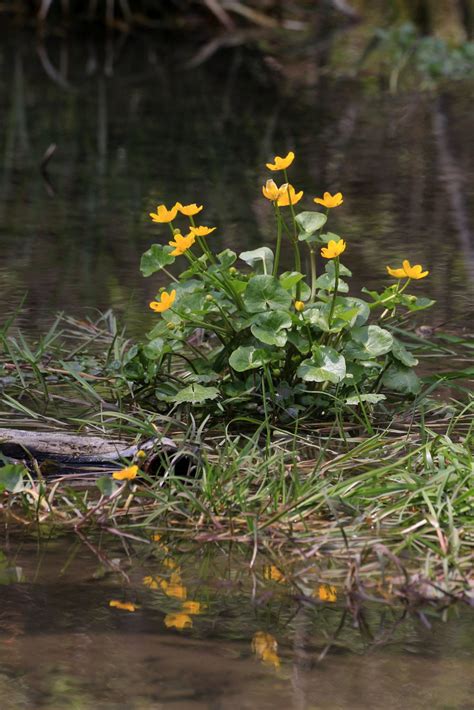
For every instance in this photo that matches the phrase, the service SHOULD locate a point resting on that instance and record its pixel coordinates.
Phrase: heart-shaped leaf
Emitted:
(326, 365)
(155, 259)
(265, 292)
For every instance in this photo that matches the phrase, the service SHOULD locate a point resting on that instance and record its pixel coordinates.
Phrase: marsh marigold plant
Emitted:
(245, 330)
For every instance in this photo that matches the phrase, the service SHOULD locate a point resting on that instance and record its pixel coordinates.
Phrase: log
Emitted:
(73, 449)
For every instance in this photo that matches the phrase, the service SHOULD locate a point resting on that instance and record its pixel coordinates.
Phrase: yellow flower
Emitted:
(333, 249)
(272, 573)
(271, 190)
(281, 163)
(181, 244)
(191, 607)
(329, 200)
(165, 302)
(177, 591)
(126, 474)
(327, 593)
(265, 647)
(163, 214)
(407, 271)
(178, 621)
(151, 582)
(299, 306)
(289, 196)
(188, 210)
(156, 537)
(201, 231)
(124, 606)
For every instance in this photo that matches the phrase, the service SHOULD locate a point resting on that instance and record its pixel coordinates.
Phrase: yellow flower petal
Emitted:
(333, 249)
(201, 231)
(126, 474)
(281, 163)
(408, 271)
(165, 302)
(151, 582)
(163, 214)
(289, 196)
(329, 200)
(271, 191)
(189, 210)
(271, 572)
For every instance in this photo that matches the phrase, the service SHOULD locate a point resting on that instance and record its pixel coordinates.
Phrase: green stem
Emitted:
(336, 284)
(278, 241)
(312, 256)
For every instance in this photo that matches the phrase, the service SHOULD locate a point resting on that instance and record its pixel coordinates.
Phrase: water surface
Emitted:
(63, 646)
(134, 125)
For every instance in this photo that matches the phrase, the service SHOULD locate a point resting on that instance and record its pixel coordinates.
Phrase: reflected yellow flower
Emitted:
(329, 200)
(327, 593)
(333, 249)
(163, 214)
(281, 163)
(141, 454)
(178, 621)
(126, 474)
(177, 591)
(299, 306)
(191, 607)
(152, 582)
(265, 647)
(201, 231)
(189, 210)
(289, 196)
(124, 606)
(181, 244)
(165, 302)
(273, 574)
(408, 271)
(157, 537)
(271, 190)
(169, 563)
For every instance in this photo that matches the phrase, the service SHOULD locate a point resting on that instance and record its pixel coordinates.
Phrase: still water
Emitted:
(250, 640)
(134, 125)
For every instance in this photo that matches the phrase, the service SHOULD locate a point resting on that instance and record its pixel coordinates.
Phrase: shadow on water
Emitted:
(200, 629)
(96, 135)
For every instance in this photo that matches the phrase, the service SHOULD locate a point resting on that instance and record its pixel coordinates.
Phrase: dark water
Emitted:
(134, 126)
(63, 646)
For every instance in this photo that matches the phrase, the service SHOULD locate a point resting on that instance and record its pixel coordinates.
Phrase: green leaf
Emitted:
(400, 353)
(155, 349)
(155, 259)
(401, 379)
(418, 304)
(371, 398)
(259, 259)
(249, 358)
(299, 340)
(309, 223)
(326, 365)
(369, 341)
(11, 478)
(270, 327)
(107, 485)
(289, 279)
(195, 394)
(227, 258)
(264, 292)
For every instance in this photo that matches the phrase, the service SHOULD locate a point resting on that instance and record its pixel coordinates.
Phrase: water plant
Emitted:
(240, 331)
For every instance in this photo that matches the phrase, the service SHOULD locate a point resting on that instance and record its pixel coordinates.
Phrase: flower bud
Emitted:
(299, 306)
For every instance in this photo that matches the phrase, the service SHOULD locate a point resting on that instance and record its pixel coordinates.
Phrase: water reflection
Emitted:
(74, 635)
(71, 233)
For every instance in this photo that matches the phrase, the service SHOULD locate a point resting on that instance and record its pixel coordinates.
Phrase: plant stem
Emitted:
(278, 242)
(336, 284)
(312, 256)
